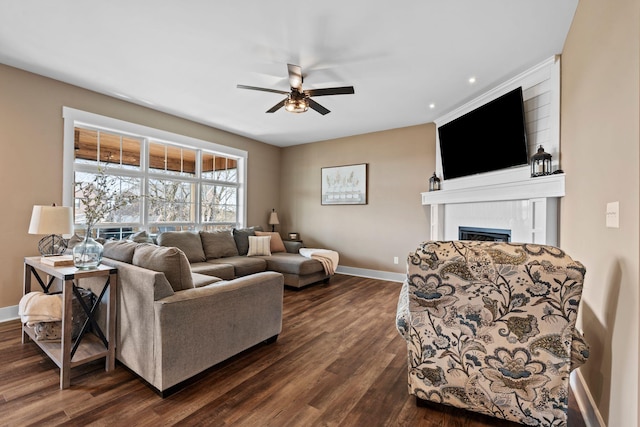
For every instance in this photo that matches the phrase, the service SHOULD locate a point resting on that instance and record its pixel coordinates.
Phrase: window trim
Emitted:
(73, 117)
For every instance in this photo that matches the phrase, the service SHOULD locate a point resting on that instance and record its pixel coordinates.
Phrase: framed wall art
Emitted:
(344, 185)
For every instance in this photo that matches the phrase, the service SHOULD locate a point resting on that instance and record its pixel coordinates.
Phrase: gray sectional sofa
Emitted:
(223, 254)
(173, 324)
(194, 301)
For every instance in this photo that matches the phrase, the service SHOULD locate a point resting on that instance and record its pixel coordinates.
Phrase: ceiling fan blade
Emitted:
(295, 76)
(262, 89)
(345, 90)
(276, 107)
(319, 108)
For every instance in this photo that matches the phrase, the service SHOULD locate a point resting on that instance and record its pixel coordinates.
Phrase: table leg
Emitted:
(26, 288)
(67, 323)
(111, 315)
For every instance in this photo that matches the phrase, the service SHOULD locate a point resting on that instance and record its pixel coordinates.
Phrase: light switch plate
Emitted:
(613, 215)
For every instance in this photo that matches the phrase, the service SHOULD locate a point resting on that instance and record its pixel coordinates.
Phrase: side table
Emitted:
(87, 346)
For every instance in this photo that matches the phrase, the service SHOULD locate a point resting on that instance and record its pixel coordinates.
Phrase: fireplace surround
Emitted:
(526, 206)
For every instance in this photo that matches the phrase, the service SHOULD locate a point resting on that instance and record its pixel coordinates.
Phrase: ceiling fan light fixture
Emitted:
(296, 105)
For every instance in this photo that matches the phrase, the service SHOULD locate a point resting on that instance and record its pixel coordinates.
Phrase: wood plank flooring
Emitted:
(338, 362)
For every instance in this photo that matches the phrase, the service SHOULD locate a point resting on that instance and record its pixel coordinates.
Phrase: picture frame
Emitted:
(294, 236)
(344, 185)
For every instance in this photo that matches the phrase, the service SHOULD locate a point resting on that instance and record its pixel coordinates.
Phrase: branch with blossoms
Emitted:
(101, 197)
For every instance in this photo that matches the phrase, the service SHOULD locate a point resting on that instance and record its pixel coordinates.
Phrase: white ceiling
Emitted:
(186, 57)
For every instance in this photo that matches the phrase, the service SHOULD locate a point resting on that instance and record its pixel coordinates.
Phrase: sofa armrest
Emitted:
(199, 327)
(138, 288)
(291, 246)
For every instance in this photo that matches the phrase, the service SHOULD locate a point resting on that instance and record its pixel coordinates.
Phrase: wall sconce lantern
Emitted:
(434, 183)
(541, 163)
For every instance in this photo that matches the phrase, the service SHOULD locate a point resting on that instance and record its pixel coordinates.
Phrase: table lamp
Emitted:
(273, 220)
(52, 221)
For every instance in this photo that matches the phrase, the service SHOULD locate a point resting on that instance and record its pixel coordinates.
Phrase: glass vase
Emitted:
(87, 254)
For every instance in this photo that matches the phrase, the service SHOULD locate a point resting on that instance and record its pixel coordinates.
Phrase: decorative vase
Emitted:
(88, 253)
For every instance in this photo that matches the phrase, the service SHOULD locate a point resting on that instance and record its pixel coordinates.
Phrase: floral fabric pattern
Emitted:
(490, 327)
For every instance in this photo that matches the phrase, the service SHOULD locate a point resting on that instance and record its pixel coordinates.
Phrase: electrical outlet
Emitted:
(613, 215)
(395, 259)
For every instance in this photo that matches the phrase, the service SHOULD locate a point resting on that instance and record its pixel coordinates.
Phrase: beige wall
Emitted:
(394, 220)
(600, 154)
(31, 132)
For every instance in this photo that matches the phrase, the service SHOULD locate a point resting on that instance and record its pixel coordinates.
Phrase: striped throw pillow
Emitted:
(259, 245)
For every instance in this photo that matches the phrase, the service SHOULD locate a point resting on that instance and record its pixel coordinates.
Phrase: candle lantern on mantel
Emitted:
(541, 163)
(434, 183)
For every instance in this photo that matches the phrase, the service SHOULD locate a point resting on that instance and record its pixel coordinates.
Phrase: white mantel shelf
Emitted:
(522, 189)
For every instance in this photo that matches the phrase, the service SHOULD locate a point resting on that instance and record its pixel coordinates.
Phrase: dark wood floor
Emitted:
(338, 362)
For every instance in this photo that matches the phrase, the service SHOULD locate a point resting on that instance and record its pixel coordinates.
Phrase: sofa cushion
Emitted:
(243, 265)
(288, 263)
(241, 236)
(276, 245)
(187, 241)
(200, 280)
(168, 260)
(218, 244)
(259, 245)
(223, 271)
(120, 250)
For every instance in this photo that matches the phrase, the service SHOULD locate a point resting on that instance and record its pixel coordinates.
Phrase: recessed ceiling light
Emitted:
(472, 80)
(432, 106)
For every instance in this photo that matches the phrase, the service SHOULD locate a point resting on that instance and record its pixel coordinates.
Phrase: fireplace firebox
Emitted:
(484, 234)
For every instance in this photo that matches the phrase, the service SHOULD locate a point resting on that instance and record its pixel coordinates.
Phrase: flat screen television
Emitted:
(489, 138)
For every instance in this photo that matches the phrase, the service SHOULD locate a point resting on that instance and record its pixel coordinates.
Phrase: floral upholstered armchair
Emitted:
(490, 328)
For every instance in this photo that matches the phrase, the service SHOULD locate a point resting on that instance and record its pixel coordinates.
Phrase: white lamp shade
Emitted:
(273, 219)
(51, 220)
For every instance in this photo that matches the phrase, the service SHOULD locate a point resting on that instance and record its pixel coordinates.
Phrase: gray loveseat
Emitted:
(173, 324)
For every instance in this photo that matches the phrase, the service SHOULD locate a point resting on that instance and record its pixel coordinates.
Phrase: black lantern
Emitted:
(434, 183)
(541, 163)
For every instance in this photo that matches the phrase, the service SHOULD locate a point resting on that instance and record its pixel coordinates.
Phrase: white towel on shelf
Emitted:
(37, 307)
(328, 258)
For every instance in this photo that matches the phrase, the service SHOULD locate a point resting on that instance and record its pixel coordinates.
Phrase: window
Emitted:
(182, 183)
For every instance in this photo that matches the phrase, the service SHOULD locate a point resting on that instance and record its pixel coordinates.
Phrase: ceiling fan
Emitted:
(298, 100)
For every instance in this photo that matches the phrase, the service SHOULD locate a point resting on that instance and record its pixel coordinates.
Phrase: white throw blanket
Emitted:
(37, 307)
(328, 258)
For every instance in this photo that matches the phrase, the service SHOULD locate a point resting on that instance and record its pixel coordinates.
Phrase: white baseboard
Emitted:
(587, 405)
(9, 313)
(372, 274)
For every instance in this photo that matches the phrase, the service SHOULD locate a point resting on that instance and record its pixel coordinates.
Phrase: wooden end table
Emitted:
(87, 346)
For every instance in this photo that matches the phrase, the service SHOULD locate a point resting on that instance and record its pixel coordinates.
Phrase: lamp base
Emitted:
(52, 245)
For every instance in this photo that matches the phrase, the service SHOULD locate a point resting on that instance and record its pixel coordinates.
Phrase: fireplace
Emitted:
(484, 234)
(527, 207)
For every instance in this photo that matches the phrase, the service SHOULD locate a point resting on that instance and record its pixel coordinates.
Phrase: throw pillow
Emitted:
(140, 237)
(74, 240)
(120, 250)
(187, 241)
(168, 260)
(277, 245)
(218, 244)
(241, 236)
(259, 245)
